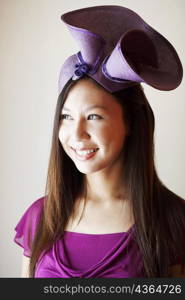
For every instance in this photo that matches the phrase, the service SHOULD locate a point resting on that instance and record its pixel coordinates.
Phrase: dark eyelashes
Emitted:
(62, 117)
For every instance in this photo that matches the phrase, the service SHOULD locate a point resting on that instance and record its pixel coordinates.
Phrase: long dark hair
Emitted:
(159, 214)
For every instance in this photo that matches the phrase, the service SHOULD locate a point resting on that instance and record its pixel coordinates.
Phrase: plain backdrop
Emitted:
(34, 44)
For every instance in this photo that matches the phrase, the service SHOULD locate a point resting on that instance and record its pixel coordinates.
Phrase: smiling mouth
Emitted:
(85, 154)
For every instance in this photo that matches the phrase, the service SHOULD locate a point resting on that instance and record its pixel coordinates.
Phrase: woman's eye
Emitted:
(65, 117)
(90, 117)
(94, 117)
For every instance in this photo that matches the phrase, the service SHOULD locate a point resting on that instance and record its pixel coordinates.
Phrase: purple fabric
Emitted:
(112, 255)
(125, 48)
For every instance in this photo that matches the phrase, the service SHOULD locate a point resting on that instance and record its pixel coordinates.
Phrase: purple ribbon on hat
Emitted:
(81, 70)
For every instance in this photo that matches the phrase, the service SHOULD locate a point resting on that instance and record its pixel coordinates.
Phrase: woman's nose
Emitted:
(80, 130)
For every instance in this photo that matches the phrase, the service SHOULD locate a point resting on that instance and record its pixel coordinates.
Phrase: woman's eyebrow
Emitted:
(88, 108)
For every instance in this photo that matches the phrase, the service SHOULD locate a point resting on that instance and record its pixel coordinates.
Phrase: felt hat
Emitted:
(118, 49)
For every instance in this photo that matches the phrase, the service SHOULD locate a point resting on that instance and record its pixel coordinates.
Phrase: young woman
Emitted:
(105, 212)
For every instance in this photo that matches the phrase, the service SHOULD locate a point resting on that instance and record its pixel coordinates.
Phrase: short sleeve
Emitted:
(27, 226)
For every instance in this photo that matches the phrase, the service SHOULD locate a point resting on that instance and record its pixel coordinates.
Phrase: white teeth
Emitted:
(85, 152)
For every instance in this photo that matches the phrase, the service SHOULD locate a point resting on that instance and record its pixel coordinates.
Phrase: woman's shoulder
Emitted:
(175, 207)
(27, 225)
(173, 200)
(33, 211)
(174, 213)
(37, 205)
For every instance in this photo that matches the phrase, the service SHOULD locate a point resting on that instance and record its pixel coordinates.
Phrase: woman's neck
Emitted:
(105, 186)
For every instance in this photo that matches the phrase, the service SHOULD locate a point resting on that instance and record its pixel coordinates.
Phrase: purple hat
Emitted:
(118, 49)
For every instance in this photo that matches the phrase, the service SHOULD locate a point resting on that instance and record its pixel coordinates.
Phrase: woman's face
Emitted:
(92, 130)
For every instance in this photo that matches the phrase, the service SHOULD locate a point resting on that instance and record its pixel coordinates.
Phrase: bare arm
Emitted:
(25, 266)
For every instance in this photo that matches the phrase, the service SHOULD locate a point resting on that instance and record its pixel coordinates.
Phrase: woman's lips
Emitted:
(85, 156)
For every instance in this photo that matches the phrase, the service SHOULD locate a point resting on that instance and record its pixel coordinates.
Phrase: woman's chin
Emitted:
(87, 169)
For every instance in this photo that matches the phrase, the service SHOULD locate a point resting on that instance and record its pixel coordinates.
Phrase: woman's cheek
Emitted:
(62, 136)
(105, 132)
(100, 128)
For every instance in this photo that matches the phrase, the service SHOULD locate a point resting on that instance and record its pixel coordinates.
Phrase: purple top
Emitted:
(110, 255)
